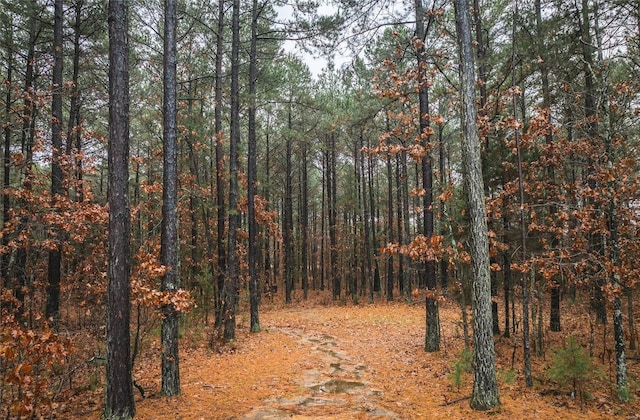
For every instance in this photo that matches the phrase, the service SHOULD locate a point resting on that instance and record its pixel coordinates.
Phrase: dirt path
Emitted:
(342, 362)
(338, 387)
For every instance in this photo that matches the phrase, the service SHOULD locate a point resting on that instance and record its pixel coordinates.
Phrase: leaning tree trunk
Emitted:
(485, 384)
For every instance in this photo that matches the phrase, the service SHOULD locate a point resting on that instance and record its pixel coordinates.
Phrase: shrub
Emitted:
(572, 364)
(461, 365)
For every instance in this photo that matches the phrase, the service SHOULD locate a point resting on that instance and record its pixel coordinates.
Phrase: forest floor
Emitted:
(316, 360)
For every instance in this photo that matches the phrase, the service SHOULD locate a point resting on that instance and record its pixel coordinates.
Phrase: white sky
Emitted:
(316, 64)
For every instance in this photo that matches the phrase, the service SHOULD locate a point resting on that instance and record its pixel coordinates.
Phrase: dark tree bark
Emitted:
(366, 210)
(406, 222)
(27, 139)
(55, 256)
(333, 215)
(485, 385)
(220, 167)
(507, 279)
(526, 342)
(432, 336)
(232, 282)
(169, 238)
(554, 315)
(400, 223)
(598, 301)
(252, 175)
(8, 128)
(119, 403)
(374, 217)
(390, 269)
(304, 220)
(324, 211)
(287, 225)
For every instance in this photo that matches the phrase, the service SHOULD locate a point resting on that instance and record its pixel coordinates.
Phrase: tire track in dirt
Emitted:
(336, 388)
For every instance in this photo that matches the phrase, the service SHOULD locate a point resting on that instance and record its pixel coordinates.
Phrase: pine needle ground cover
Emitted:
(317, 360)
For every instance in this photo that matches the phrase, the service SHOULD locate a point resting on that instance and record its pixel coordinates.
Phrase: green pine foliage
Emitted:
(572, 364)
(459, 366)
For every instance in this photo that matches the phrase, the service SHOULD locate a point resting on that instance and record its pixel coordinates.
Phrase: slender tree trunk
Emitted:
(596, 240)
(287, 228)
(169, 238)
(27, 141)
(485, 384)
(432, 336)
(404, 191)
(368, 231)
(390, 268)
(221, 271)
(8, 125)
(324, 211)
(507, 278)
(119, 402)
(55, 256)
(400, 217)
(554, 315)
(333, 211)
(304, 225)
(523, 225)
(377, 286)
(443, 166)
(232, 284)
(252, 175)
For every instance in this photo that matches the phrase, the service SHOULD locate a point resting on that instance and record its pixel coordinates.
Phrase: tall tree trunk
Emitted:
(55, 256)
(443, 167)
(523, 224)
(596, 240)
(287, 227)
(485, 384)
(119, 402)
(169, 237)
(371, 168)
(8, 125)
(324, 211)
(432, 336)
(366, 218)
(221, 271)
(554, 315)
(507, 277)
(390, 268)
(27, 141)
(400, 223)
(232, 282)
(333, 211)
(304, 223)
(252, 175)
